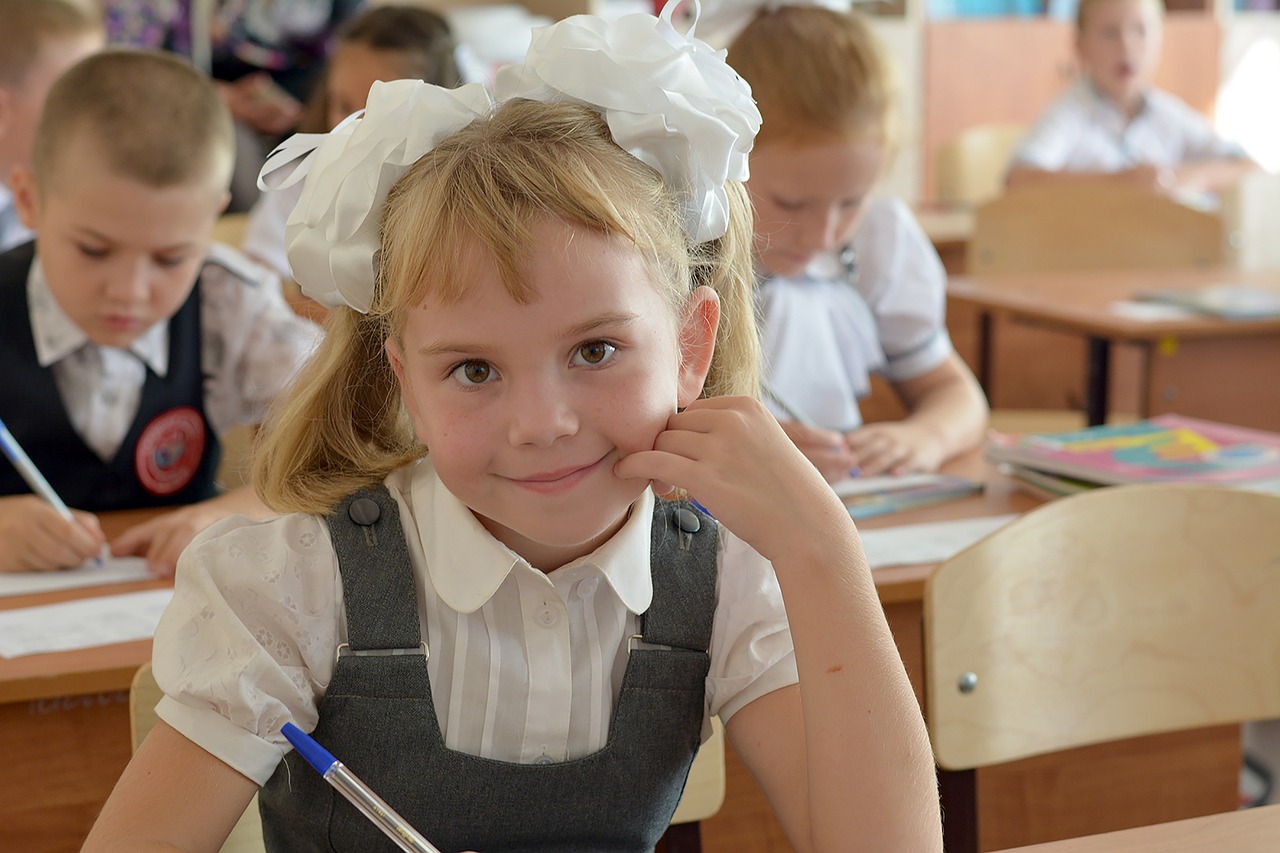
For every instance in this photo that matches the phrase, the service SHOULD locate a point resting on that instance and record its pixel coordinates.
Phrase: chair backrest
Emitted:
(703, 791)
(971, 167)
(1249, 213)
(1121, 612)
(1091, 226)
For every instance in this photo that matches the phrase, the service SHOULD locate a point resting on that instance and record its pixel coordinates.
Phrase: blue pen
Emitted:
(361, 795)
(32, 474)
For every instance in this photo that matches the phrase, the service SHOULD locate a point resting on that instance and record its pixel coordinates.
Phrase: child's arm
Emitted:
(161, 539)
(947, 415)
(173, 795)
(35, 538)
(843, 756)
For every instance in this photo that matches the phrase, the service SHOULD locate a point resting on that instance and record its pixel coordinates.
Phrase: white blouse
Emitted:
(825, 332)
(1083, 131)
(524, 666)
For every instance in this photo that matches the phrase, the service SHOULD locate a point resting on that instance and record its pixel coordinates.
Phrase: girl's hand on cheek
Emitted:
(731, 456)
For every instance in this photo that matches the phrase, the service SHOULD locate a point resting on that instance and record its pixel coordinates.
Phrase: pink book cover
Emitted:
(1166, 448)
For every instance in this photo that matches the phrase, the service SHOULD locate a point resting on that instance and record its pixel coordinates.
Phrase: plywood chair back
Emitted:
(703, 791)
(1090, 226)
(971, 167)
(230, 228)
(1112, 614)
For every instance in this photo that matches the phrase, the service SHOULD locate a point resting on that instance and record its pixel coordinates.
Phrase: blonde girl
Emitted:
(476, 600)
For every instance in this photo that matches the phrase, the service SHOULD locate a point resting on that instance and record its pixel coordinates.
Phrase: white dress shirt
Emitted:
(252, 343)
(1084, 131)
(824, 332)
(525, 666)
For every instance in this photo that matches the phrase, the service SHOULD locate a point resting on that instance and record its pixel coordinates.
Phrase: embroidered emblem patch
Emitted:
(169, 451)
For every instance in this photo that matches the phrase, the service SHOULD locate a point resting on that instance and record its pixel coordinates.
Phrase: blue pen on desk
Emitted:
(361, 795)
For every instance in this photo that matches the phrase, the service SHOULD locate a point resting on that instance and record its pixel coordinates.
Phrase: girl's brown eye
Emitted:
(594, 352)
(476, 371)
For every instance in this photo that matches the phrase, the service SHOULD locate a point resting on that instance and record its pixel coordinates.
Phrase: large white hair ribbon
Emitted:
(669, 99)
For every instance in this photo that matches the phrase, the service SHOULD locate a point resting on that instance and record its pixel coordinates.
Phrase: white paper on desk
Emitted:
(114, 570)
(81, 624)
(913, 544)
(1150, 312)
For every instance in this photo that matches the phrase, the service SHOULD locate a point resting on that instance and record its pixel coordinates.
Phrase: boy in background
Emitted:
(1114, 125)
(128, 342)
(39, 39)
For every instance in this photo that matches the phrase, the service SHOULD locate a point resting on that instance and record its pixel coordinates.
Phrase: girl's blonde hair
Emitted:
(343, 426)
(818, 75)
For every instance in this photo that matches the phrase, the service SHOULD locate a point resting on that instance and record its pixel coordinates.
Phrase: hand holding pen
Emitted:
(38, 532)
(825, 448)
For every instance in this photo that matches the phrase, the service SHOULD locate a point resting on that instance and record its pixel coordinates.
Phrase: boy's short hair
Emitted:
(1083, 7)
(816, 75)
(25, 27)
(156, 119)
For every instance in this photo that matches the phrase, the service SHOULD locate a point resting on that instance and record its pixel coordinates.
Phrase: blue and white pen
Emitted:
(361, 795)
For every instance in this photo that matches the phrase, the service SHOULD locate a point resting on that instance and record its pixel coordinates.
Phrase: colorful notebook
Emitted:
(867, 497)
(1164, 449)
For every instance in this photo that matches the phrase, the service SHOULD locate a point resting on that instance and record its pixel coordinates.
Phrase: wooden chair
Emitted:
(1070, 227)
(1113, 614)
(702, 798)
(230, 229)
(971, 167)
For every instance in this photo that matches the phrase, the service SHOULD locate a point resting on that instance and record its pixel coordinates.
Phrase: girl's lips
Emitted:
(555, 482)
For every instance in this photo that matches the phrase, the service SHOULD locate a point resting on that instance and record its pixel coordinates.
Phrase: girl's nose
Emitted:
(542, 412)
(821, 231)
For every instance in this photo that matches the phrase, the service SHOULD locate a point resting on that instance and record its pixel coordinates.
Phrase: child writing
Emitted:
(1114, 125)
(850, 285)
(562, 290)
(39, 39)
(382, 43)
(130, 342)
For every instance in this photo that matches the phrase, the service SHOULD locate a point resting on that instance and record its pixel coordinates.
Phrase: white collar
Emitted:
(467, 565)
(57, 336)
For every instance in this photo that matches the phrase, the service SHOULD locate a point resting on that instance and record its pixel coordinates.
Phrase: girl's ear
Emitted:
(697, 342)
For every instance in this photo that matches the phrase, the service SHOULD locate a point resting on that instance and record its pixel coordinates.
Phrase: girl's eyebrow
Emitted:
(612, 318)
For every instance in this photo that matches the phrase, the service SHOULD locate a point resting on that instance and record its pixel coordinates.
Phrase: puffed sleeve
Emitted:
(248, 642)
(751, 649)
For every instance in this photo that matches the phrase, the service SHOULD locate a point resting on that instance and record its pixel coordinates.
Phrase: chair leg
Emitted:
(681, 838)
(959, 794)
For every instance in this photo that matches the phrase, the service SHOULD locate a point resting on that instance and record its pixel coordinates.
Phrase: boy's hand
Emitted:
(257, 101)
(732, 456)
(35, 538)
(161, 539)
(825, 448)
(894, 447)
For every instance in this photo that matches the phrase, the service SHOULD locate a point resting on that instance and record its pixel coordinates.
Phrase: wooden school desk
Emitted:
(1022, 802)
(1197, 366)
(64, 725)
(1246, 831)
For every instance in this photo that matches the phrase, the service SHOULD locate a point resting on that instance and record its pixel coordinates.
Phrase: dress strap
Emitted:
(685, 546)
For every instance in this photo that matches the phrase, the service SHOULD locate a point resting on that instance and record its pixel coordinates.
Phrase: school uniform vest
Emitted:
(170, 453)
(378, 718)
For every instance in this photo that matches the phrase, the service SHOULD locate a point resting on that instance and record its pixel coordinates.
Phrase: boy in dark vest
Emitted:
(129, 342)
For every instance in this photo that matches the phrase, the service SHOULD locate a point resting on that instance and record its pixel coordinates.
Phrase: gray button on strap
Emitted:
(364, 511)
(687, 520)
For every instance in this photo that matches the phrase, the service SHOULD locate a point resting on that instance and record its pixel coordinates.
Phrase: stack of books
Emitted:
(1163, 449)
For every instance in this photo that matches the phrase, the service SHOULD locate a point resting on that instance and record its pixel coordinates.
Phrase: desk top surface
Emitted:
(1247, 831)
(1081, 301)
(107, 668)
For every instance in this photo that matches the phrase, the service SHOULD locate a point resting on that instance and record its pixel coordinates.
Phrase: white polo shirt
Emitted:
(523, 664)
(825, 332)
(1083, 131)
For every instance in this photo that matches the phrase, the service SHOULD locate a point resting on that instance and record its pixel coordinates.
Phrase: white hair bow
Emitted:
(669, 99)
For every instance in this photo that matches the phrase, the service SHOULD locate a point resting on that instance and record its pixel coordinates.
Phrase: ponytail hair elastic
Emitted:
(669, 99)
